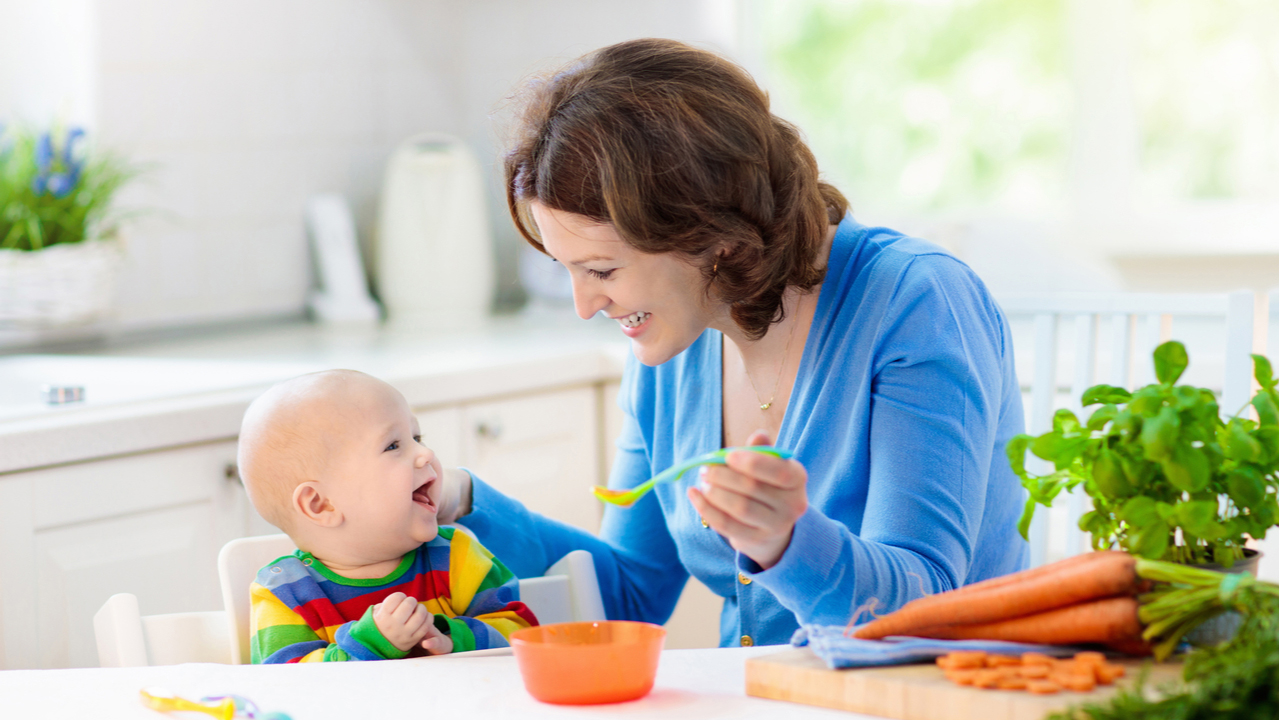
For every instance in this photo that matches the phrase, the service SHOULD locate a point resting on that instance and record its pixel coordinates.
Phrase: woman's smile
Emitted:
(634, 323)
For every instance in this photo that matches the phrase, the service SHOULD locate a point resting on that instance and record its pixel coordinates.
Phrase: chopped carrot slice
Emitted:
(1043, 687)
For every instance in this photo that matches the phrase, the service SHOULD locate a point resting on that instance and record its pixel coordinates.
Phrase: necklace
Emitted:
(785, 355)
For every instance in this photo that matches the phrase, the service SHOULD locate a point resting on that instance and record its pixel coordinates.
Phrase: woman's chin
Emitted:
(653, 354)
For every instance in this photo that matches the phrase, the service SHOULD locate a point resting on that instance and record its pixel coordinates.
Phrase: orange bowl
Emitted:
(587, 663)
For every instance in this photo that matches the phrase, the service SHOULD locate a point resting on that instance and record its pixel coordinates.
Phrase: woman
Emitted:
(759, 311)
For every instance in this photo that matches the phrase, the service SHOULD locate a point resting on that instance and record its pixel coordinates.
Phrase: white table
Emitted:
(693, 684)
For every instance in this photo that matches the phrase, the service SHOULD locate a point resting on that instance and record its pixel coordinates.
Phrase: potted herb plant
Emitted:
(59, 249)
(1169, 478)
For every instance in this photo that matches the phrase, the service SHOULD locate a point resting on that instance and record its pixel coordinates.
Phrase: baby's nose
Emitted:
(420, 461)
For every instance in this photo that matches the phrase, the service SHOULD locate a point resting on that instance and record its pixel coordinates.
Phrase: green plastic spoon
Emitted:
(627, 498)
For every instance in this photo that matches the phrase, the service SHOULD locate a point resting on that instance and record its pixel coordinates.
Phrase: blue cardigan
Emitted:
(904, 401)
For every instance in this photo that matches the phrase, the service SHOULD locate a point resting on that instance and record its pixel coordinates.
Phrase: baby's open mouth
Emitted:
(421, 497)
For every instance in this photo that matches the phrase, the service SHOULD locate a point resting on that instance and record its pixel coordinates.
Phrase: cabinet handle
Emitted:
(490, 430)
(232, 473)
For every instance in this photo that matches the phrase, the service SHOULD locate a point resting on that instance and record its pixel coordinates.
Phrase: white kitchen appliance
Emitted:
(434, 250)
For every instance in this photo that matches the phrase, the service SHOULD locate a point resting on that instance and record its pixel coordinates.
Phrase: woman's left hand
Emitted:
(753, 501)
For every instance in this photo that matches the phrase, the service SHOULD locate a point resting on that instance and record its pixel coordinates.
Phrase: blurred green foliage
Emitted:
(938, 105)
(54, 191)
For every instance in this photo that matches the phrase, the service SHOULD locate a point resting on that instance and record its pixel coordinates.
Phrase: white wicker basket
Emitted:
(61, 285)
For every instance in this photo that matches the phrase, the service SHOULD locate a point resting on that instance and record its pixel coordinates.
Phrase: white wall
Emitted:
(241, 110)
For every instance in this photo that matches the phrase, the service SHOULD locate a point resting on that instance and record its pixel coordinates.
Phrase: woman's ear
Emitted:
(310, 501)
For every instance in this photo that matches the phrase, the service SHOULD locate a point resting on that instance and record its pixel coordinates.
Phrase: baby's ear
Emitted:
(309, 500)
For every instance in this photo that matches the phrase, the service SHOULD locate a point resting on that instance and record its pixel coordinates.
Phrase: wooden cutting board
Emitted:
(915, 692)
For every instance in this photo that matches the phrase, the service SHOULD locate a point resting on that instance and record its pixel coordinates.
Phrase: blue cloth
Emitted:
(838, 650)
(904, 401)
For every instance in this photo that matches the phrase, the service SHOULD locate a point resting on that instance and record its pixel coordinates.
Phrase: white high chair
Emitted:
(126, 638)
(569, 591)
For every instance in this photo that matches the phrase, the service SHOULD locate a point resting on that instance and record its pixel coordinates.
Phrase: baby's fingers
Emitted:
(408, 606)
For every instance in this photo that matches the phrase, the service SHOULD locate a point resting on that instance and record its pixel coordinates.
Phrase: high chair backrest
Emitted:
(569, 591)
(126, 638)
(238, 564)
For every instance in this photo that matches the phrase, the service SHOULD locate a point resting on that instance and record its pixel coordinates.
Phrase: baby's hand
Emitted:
(436, 642)
(402, 621)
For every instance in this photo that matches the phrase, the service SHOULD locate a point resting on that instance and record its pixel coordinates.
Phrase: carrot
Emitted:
(1103, 574)
(1109, 620)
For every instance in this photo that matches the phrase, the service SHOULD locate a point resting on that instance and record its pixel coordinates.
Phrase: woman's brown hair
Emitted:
(675, 147)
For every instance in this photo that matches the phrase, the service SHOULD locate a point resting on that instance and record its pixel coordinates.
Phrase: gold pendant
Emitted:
(765, 406)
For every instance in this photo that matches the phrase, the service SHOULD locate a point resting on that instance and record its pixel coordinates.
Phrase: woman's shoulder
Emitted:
(898, 266)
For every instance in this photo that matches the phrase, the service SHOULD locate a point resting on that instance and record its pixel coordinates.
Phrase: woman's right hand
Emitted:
(455, 496)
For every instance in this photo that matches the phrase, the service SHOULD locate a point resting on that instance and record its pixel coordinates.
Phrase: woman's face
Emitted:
(659, 301)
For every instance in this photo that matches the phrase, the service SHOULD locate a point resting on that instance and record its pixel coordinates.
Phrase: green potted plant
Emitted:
(1168, 477)
(59, 250)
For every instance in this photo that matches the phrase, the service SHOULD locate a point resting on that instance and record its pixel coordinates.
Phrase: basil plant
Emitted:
(1169, 479)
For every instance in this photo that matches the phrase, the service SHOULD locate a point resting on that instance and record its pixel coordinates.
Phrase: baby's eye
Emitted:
(417, 439)
(600, 274)
(395, 445)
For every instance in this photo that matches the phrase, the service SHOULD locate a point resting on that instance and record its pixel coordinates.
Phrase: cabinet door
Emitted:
(168, 558)
(149, 524)
(541, 450)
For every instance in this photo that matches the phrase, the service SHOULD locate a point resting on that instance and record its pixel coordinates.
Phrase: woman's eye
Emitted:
(599, 274)
(393, 446)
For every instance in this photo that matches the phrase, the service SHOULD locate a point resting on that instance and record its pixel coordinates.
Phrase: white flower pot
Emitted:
(59, 286)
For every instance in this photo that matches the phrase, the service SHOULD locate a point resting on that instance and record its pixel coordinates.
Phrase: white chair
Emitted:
(1136, 323)
(568, 592)
(126, 638)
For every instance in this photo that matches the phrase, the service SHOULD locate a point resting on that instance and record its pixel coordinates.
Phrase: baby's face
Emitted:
(381, 477)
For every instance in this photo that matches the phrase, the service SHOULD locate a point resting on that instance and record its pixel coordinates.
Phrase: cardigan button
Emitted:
(747, 641)
(742, 578)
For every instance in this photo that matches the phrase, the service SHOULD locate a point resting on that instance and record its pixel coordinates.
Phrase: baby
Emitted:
(335, 460)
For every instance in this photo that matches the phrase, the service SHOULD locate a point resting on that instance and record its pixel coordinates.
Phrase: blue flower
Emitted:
(61, 184)
(38, 184)
(44, 152)
(73, 135)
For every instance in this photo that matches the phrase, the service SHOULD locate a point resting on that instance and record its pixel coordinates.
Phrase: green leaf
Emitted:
(1148, 401)
(1024, 523)
(1171, 360)
(1149, 541)
(1109, 476)
(1100, 417)
(1187, 469)
(1266, 408)
(1140, 512)
(1237, 444)
(1045, 447)
(1109, 394)
(1066, 422)
(1199, 518)
(1245, 486)
(1160, 434)
(1017, 452)
(1262, 371)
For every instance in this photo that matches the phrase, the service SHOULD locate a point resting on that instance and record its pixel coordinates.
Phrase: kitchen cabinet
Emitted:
(150, 524)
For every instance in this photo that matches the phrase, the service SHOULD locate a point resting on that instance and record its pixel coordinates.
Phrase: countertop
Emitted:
(175, 392)
(693, 684)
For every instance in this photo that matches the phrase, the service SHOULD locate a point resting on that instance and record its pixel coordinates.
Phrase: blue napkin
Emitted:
(838, 650)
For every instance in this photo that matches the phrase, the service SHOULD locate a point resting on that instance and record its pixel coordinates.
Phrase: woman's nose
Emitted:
(586, 300)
